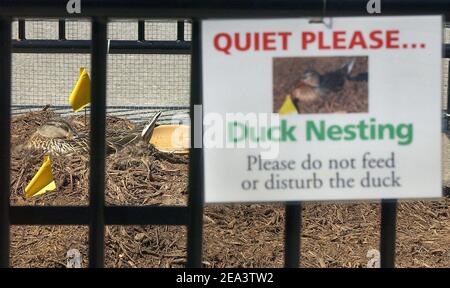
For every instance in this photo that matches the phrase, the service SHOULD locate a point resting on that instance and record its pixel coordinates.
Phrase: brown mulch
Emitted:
(333, 234)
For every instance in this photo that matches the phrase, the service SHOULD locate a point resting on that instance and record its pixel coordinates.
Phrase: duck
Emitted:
(314, 85)
(58, 137)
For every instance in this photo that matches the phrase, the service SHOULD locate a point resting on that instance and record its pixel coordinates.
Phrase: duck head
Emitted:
(311, 78)
(57, 129)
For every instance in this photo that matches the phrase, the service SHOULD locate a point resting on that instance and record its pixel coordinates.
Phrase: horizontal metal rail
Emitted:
(114, 215)
(181, 9)
(115, 46)
(137, 107)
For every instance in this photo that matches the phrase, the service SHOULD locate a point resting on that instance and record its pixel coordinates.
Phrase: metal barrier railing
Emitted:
(62, 45)
(5, 126)
(97, 215)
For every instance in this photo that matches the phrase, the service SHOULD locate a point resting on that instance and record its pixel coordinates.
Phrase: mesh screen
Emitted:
(15, 30)
(41, 29)
(187, 31)
(159, 30)
(78, 29)
(445, 68)
(137, 84)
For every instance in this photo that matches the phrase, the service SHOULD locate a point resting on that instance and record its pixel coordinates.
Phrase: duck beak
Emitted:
(147, 132)
(42, 181)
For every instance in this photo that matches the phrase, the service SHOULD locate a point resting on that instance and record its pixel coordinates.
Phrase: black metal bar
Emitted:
(182, 9)
(116, 46)
(195, 201)
(448, 88)
(180, 30)
(22, 29)
(97, 151)
(5, 139)
(292, 235)
(42, 215)
(62, 29)
(388, 226)
(114, 215)
(141, 30)
(146, 215)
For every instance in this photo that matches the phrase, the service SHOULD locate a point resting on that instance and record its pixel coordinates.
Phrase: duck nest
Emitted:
(333, 235)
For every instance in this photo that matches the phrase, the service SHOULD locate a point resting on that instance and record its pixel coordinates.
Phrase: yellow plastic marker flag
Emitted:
(81, 94)
(42, 181)
(288, 106)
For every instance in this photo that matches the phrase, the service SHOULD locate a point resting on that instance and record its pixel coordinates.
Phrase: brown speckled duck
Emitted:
(58, 137)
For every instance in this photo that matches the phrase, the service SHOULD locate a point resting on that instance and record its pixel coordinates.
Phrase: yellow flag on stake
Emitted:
(288, 106)
(81, 94)
(42, 181)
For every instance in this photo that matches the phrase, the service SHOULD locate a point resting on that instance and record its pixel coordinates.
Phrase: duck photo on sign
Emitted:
(321, 84)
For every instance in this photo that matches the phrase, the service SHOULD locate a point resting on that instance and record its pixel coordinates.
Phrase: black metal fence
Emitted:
(97, 215)
(62, 45)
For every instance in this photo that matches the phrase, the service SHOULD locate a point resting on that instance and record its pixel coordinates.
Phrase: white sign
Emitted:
(346, 109)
